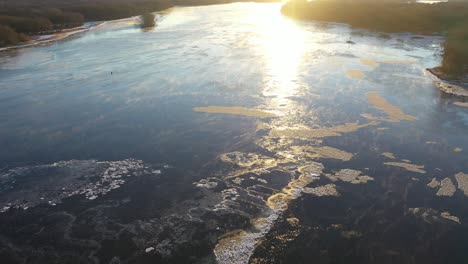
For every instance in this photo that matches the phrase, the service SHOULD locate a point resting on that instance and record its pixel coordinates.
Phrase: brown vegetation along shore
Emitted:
(53, 36)
(22, 18)
(450, 19)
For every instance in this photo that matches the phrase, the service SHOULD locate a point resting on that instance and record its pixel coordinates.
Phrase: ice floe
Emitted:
(457, 149)
(305, 132)
(462, 180)
(446, 188)
(431, 215)
(462, 104)
(351, 176)
(234, 111)
(393, 112)
(247, 159)
(49, 184)
(434, 183)
(325, 190)
(322, 152)
(389, 155)
(407, 166)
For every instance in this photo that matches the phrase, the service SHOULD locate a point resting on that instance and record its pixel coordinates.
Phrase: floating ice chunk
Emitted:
(457, 149)
(430, 215)
(394, 113)
(234, 111)
(206, 183)
(434, 183)
(448, 216)
(351, 176)
(90, 178)
(446, 188)
(147, 250)
(326, 190)
(389, 155)
(238, 181)
(462, 180)
(407, 166)
(322, 152)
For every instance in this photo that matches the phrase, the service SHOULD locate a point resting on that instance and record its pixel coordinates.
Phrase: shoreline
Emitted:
(55, 37)
(451, 87)
(66, 33)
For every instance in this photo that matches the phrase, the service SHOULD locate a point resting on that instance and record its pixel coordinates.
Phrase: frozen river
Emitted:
(230, 134)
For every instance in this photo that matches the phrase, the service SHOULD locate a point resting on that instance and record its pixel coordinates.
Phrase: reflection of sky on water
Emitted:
(63, 97)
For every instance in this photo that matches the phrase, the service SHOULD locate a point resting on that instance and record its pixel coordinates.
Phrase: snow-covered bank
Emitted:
(452, 87)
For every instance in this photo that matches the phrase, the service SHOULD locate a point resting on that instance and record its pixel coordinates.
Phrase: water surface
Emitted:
(101, 143)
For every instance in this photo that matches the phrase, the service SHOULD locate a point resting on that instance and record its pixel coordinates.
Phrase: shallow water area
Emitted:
(231, 134)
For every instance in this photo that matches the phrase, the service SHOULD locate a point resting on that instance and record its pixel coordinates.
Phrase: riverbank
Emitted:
(66, 33)
(448, 85)
(46, 39)
(35, 40)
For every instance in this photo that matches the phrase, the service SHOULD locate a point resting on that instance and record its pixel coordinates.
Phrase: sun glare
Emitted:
(282, 43)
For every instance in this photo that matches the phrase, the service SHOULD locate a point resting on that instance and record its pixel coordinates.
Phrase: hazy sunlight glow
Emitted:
(283, 45)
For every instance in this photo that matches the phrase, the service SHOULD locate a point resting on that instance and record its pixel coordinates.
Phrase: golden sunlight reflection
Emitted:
(282, 42)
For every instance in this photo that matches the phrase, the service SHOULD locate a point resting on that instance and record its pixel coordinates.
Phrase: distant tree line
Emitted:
(20, 18)
(450, 19)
